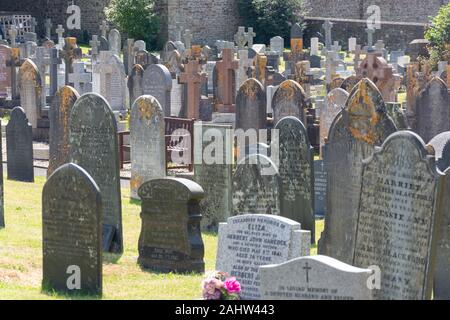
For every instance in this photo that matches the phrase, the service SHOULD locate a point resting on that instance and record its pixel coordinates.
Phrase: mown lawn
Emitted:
(21, 254)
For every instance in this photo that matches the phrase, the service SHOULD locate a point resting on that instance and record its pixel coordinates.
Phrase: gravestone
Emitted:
(399, 189)
(81, 80)
(289, 100)
(397, 114)
(115, 41)
(350, 82)
(170, 239)
(314, 278)
(69, 53)
(256, 186)
(440, 146)
(213, 171)
(296, 171)
(134, 83)
(361, 126)
(72, 231)
(5, 71)
(226, 79)
(148, 144)
(250, 241)
(320, 188)
(157, 82)
(251, 106)
(30, 86)
(192, 79)
(244, 64)
(314, 47)
(104, 44)
(94, 147)
(19, 145)
(432, 110)
(59, 115)
(334, 103)
(277, 45)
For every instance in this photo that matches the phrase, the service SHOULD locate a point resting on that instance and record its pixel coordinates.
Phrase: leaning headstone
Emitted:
(250, 241)
(361, 126)
(251, 106)
(170, 239)
(289, 100)
(296, 171)
(19, 145)
(314, 278)
(59, 115)
(157, 82)
(148, 144)
(256, 186)
(72, 232)
(94, 147)
(213, 171)
(30, 86)
(399, 216)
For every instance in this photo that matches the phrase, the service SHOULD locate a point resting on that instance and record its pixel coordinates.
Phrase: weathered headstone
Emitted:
(19, 145)
(314, 278)
(213, 171)
(226, 79)
(135, 89)
(170, 239)
(59, 115)
(440, 144)
(251, 106)
(250, 241)
(296, 171)
(361, 126)
(81, 80)
(289, 100)
(94, 147)
(69, 53)
(115, 41)
(72, 232)
(30, 86)
(148, 148)
(157, 82)
(192, 79)
(277, 45)
(5, 71)
(320, 188)
(399, 189)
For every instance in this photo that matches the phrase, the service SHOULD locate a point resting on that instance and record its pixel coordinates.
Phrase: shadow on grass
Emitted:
(111, 257)
(135, 202)
(73, 295)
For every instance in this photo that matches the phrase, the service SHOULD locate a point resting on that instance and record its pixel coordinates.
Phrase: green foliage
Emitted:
(439, 35)
(136, 18)
(270, 18)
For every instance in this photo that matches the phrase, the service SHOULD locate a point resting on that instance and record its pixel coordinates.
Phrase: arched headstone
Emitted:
(157, 82)
(289, 100)
(251, 106)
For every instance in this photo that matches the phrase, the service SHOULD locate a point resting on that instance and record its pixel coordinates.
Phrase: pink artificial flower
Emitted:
(232, 285)
(211, 288)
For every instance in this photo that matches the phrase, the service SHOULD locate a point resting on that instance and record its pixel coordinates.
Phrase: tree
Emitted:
(270, 18)
(439, 35)
(137, 18)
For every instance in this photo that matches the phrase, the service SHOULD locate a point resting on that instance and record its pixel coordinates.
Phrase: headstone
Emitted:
(104, 28)
(251, 106)
(277, 45)
(95, 49)
(361, 126)
(256, 186)
(397, 114)
(320, 188)
(30, 86)
(400, 172)
(135, 86)
(115, 41)
(81, 80)
(314, 278)
(60, 32)
(289, 100)
(69, 54)
(104, 44)
(352, 44)
(250, 241)
(148, 143)
(225, 72)
(192, 78)
(441, 148)
(244, 64)
(432, 110)
(128, 58)
(5, 71)
(72, 231)
(418, 48)
(296, 171)
(327, 26)
(170, 239)
(59, 115)
(240, 38)
(19, 145)
(48, 29)
(213, 171)
(157, 82)
(250, 36)
(314, 47)
(94, 147)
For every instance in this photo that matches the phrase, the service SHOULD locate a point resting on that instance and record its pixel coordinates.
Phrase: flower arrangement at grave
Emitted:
(220, 286)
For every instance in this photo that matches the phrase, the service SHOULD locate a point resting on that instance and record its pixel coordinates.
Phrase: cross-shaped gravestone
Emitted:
(331, 65)
(104, 28)
(193, 80)
(55, 61)
(48, 28)
(60, 32)
(69, 53)
(240, 38)
(13, 36)
(244, 64)
(370, 32)
(327, 26)
(336, 47)
(250, 36)
(13, 63)
(225, 69)
(79, 78)
(95, 44)
(188, 38)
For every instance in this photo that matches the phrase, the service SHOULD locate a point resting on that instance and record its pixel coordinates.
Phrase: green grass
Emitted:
(21, 254)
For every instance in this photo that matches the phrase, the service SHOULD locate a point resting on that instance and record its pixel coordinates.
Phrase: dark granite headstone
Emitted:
(59, 115)
(170, 239)
(399, 216)
(256, 186)
(289, 100)
(315, 61)
(135, 83)
(148, 143)
(157, 82)
(19, 145)
(361, 126)
(320, 188)
(72, 232)
(94, 147)
(251, 106)
(296, 170)
(350, 82)
(104, 44)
